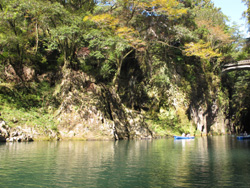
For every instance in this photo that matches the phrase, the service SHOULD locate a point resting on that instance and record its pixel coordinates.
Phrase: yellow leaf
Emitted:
(167, 7)
(104, 19)
(201, 49)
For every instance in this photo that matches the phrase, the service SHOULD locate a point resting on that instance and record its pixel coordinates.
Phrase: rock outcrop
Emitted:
(14, 134)
(91, 111)
(128, 124)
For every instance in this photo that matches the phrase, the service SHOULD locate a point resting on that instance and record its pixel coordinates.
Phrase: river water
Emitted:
(219, 161)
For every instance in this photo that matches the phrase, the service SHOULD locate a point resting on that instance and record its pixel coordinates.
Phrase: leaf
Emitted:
(171, 8)
(201, 49)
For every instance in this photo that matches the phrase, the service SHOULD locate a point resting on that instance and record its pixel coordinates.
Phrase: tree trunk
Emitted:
(37, 35)
(119, 67)
(65, 57)
(117, 74)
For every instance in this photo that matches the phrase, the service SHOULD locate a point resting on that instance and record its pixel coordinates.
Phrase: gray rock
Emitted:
(30, 139)
(2, 124)
(11, 139)
(71, 134)
(13, 134)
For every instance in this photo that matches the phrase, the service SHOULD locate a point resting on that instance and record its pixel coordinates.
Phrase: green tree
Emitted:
(124, 22)
(16, 33)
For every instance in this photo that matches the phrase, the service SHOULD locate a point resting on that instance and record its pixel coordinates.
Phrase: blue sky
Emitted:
(234, 9)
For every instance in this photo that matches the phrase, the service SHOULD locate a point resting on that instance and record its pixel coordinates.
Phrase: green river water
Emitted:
(219, 161)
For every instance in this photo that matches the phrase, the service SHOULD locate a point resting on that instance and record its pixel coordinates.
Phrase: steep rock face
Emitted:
(198, 92)
(208, 105)
(209, 120)
(90, 111)
(128, 124)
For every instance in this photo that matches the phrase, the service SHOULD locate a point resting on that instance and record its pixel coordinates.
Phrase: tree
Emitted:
(76, 6)
(16, 32)
(246, 14)
(28, 25)
(211, 29)
(124, 21)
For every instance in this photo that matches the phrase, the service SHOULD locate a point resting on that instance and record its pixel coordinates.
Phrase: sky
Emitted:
(234, 9)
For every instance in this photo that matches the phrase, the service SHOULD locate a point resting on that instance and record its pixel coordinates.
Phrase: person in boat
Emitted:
(245, 133)
(183, 134)
(188, 135)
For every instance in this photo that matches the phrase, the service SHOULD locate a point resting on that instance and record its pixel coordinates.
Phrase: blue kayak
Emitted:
(243, 137)
(183, 137)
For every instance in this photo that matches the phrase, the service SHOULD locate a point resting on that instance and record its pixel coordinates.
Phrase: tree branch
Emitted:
(164, 43)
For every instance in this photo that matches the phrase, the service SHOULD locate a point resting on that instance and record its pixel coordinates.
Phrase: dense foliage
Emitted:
(161, 56)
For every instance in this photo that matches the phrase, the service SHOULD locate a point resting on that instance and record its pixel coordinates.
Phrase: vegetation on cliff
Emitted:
(116, 69)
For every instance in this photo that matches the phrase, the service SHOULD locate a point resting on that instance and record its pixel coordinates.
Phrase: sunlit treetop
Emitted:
(212, 31)
(171, 8)
(201, 49)
(105, 20)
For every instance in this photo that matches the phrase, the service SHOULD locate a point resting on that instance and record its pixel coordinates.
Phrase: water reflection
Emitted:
(202, 162)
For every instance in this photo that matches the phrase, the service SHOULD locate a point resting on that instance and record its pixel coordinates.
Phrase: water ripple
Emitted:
(203, 162)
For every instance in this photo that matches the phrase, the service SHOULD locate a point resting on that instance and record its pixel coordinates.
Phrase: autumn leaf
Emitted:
(170, 8)
(216, 34)
(201, 49)
(103, 19)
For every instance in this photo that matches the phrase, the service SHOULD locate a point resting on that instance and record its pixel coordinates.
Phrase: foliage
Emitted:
(31, 118)
(211, 29)
(171, 122)
(202, 50)
(237, 84)
(172, 8)
(30, 106)
(247, 12)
